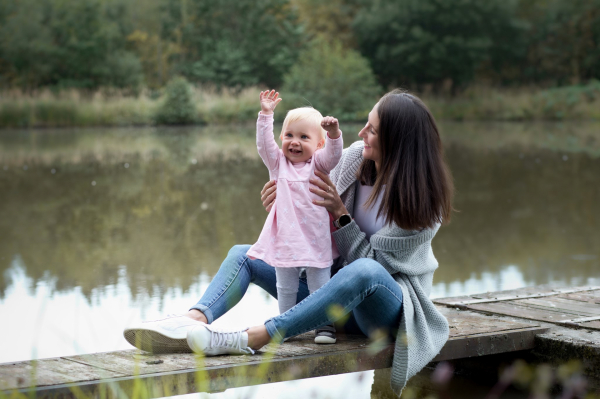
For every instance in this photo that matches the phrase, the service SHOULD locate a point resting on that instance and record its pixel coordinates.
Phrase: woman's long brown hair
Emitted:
(414, 178)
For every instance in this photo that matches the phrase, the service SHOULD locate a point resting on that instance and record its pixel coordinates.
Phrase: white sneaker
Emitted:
(167, 335)
(210, 341)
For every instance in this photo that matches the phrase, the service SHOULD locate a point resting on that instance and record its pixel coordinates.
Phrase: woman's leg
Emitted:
(363, 287)
(237, 271)
(231, 282)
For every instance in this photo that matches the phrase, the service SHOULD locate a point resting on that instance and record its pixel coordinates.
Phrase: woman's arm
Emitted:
(325, 189)
(393, 251)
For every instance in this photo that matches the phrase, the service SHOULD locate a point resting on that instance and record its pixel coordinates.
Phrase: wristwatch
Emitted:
(342, 221)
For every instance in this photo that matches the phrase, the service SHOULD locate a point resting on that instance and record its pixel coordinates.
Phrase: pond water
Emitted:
(100, 228)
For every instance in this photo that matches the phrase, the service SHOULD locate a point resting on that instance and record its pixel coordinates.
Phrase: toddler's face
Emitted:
(300, 140)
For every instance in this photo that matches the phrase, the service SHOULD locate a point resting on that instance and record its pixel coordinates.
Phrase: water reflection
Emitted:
(49, 322)
(124, 224)
(529, 208)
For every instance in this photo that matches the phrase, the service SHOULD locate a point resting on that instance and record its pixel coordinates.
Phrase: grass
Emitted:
(480, 103)
(71, 108)
(227, 106)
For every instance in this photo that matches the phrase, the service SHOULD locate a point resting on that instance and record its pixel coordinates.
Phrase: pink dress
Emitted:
(297, 232)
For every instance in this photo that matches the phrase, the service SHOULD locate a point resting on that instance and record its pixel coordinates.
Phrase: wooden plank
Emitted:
(592, 297)
(464, 324)
(133, 362)
(471, 334)
(561, 305)
(566, 290)
(516, 293)
(591, 325)
(463, 302)
(48, 372)
(577, 303)
(223, 372)
(584, 319)
(490, 343)
(474, 334)
(515, 309)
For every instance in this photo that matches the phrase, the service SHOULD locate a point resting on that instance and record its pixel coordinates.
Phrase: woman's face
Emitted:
(370, 136)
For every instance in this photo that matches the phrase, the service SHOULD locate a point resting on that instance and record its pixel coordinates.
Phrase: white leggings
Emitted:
(288, 282)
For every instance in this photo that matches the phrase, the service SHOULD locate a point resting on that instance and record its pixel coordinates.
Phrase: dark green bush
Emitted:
(334, 80)
(178, 106)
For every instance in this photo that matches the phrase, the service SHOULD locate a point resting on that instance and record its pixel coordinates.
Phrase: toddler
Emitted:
(297, 232)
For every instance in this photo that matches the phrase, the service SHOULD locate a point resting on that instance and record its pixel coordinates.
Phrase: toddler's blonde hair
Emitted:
(304, 113)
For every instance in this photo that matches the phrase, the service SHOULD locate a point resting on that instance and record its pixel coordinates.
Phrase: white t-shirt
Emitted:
(366, 218)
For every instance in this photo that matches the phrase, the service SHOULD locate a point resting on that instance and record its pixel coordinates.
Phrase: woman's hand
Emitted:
(268, 194)
(325, 189)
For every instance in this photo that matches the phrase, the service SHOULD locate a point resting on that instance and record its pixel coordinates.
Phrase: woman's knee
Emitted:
(235, 257)
(238, 251)
(364, 271)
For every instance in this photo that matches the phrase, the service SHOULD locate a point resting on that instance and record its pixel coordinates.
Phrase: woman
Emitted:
(387, 196)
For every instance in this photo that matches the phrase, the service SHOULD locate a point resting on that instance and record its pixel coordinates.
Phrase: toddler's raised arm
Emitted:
(265, 142)
(328, 157)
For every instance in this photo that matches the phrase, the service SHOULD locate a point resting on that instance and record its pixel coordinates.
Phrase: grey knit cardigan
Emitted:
(408, 257)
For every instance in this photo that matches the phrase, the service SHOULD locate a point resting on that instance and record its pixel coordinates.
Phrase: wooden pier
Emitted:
(555, 324)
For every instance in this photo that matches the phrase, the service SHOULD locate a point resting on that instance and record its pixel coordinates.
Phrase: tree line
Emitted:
(437, 44)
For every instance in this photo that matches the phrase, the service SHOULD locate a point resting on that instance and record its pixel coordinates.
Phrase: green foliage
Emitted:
(432, 41)
(122, 69)
(228, 107)
(562, 41)
(67, 43)
(129, 44)
(178, 106)
(15, 114)
(335, 81)
(122, 46)
(578, 102)
(58, 113)
(562, 102)
(233, 43)
(68, 109)
(332, 19)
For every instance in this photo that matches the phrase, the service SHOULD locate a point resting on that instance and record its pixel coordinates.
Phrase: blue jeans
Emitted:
(362, 297)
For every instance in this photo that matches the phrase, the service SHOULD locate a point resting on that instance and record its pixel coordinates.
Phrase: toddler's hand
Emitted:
(332, 126)
(268, 101)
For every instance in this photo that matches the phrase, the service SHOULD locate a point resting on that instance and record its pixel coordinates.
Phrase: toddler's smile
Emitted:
(300, 140)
